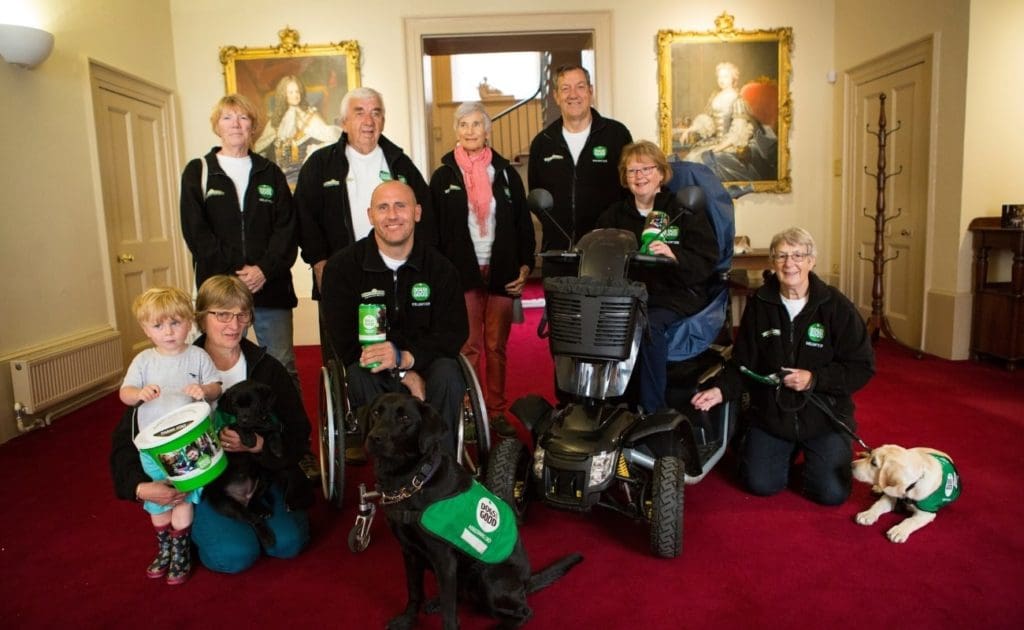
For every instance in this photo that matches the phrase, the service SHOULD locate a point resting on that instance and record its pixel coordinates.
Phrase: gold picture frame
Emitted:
(288, 133)
(724, 101)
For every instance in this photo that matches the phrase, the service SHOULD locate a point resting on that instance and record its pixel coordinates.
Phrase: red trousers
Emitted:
(490, 320)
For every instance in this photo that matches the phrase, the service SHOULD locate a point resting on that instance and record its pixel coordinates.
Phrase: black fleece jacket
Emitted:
(828, 338)
(514, 242)
(322, 204)
(583, 190)
(426, 311)
(685, 286)
(223, 238)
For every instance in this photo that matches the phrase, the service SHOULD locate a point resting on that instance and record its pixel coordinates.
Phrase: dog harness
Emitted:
(949, 489)
(475, 522)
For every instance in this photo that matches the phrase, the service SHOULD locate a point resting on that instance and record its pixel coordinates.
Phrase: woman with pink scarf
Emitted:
(487, 232)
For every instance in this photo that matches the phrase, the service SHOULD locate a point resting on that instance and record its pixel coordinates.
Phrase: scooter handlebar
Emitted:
(559, 254)
(656, 259)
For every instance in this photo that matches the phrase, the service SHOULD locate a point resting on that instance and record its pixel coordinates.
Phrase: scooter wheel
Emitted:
(508, 473)
(667, 485)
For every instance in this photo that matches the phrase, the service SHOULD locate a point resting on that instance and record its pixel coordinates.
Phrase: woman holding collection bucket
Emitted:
(223, 313)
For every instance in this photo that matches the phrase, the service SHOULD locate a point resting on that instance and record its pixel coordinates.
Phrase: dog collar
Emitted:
(948, 491)
(422, 476)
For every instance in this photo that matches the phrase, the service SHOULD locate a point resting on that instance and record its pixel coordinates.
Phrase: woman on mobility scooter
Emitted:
(673, 291)
(591, 450)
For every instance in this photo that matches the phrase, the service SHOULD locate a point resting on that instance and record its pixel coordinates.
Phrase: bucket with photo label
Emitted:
(185, 445)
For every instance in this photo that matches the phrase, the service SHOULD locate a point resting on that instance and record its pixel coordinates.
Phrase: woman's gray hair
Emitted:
(470, 107)
(361, 93)
(795, 236)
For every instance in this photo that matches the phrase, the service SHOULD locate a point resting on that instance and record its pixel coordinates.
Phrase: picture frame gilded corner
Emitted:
(297, 90)
(724, 101)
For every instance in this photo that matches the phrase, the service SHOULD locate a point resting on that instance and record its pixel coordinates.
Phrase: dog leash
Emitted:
(816, 400)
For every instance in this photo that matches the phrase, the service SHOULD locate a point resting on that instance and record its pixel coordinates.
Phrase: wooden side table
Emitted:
(997, 324)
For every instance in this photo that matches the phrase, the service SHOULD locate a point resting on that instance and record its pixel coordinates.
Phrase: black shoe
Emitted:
(310, 466)
(501, 426)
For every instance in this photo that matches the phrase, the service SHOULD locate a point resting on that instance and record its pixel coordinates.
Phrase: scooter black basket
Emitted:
(594, 319)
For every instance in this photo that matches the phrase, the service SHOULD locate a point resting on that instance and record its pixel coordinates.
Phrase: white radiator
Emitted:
(52, 375)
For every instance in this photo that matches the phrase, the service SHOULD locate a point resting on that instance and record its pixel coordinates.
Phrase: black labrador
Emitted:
(240, 492)
(414, 471)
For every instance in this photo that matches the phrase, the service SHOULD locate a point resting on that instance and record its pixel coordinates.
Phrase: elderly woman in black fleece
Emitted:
(811, 334)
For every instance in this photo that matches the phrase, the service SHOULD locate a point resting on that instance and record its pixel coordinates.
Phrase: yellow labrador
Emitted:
(924, 478)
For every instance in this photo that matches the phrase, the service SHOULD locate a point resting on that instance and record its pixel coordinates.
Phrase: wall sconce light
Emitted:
(24, 46)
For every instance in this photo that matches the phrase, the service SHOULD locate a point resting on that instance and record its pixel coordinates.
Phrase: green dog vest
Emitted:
(476, 522)
(948, 492)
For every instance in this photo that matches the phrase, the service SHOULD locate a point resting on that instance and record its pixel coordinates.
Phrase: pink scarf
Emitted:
(478, 183)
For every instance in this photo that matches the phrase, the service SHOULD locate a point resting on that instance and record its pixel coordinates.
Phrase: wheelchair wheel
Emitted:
(333, 409)
(474, 432)
(357, 541)
(508, 474)
(666, 508)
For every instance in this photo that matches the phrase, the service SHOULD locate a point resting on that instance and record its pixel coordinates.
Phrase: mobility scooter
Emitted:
(595, 450)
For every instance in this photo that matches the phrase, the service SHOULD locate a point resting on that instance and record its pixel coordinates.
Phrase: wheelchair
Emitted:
(338, 425)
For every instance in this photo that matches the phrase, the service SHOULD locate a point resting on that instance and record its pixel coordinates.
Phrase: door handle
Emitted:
(125, 258)
(905, 232)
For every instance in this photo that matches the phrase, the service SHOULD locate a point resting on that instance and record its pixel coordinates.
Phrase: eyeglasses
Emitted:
(797, 257)
(636, 172)
(226, 316)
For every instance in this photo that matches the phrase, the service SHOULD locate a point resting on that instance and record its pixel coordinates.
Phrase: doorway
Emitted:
(508, 73)
(424, 33)
(138, 158)
(905, 78)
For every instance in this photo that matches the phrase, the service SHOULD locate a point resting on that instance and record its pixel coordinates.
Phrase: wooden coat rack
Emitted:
(878, 322)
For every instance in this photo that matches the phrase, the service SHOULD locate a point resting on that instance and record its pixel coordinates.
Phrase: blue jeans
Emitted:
(653, 359)
(227, 545)
(765, 461)
(275, 330)
(444, 384)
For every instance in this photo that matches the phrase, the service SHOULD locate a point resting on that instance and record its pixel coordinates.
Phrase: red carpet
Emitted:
(72, 554)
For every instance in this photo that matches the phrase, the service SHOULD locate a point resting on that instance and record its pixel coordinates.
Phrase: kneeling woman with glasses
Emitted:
(811, 334)
(224, 311)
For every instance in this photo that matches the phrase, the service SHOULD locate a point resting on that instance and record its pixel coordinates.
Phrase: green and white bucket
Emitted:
(185, 445)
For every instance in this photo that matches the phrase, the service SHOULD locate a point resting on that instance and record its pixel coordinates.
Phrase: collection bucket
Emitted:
(185, 445)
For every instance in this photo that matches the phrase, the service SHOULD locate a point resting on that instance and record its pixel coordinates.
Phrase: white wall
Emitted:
(55, 279)
(994, 129)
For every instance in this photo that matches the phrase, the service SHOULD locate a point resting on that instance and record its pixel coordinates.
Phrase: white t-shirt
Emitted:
(237, 168)
(794, 306)
(233, 375)
(576, 140)
(172, 372)
(392, 263)
(482, 244)
(363, 176)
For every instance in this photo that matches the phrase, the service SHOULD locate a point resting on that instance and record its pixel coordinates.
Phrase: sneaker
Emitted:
(355, 455)
(310, 466)
(501, 426)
